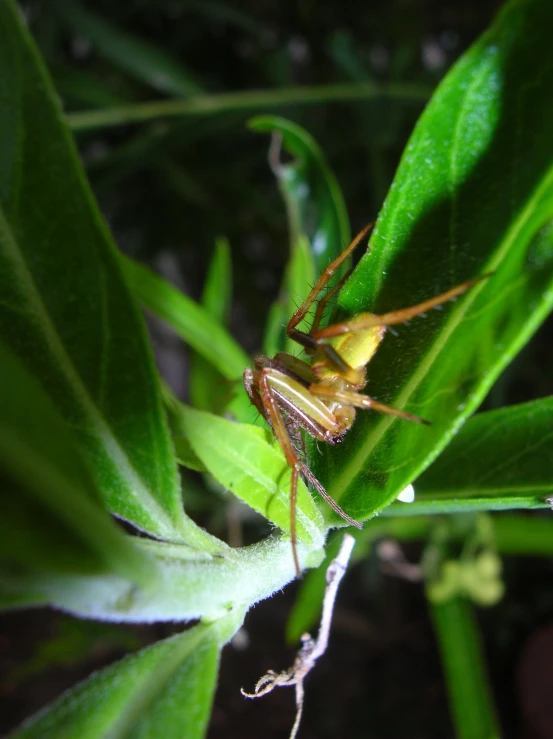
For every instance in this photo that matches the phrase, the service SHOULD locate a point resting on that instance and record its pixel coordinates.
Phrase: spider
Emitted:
(321, 396)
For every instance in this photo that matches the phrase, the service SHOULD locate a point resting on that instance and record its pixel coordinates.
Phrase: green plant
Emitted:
(88, 430)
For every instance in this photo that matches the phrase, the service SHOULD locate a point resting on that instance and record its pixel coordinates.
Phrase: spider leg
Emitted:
(274, 415)
(349, 397)
(310, 477)
(364, 321)
(321, 305)
(323, 280)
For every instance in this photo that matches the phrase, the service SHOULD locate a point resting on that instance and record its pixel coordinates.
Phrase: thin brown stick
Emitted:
(311, 649)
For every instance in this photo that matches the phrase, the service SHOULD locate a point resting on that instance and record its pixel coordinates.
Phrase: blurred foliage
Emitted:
(179, 184)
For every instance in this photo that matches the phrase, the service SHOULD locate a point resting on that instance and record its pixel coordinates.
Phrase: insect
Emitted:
(321, 396)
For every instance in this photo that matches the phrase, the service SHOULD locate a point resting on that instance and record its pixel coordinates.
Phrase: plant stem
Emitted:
(463, 663)
(247, 100)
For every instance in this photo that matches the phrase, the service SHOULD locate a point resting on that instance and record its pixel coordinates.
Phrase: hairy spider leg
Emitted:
(351, 397)
(321, 305)
(323, 281)
(364, 321)
(333, 358)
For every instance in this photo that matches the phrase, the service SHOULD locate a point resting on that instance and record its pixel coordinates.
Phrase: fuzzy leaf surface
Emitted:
(53, 521)
(65, 310)
(165, 690)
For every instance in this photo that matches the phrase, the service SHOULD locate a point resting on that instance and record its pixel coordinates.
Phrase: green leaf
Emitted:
(463, 662)
(208, 390)
(69, 643)
(299, 278)
(165, 690)
(242, 459)
(143, 61)
(473, 194)
(277, 319)
(65, 310)
(504, 455)
(53, 522)
(317, 218)
(188, 319)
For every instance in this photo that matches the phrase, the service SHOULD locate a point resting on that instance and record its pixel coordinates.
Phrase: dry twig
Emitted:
(311, 649)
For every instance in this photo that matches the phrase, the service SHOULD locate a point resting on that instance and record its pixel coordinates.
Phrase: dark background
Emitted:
(168, 189)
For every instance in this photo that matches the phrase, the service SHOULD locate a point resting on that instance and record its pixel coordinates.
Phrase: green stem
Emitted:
(441, 506)
(463, 663)
(247, 100)
(513, 534)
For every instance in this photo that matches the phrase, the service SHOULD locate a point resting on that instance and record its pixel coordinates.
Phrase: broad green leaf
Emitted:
(317, 218)
(473, 195)
(143, 61)
(243, 460)
(463, 663)
(165, 690)
(188, 319)
(504, 455)
(53, 521)
(65, 310)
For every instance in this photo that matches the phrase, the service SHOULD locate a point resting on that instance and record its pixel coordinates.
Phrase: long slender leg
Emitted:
(361, 401)
(365, 321)
(323, 280)
(310, 477)
(321, 305)
(283, 437)
(274, 416)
